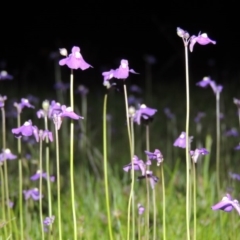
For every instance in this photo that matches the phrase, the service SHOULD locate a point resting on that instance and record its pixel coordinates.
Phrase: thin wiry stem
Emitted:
(218, 141)
(194, 202)
(131, 156)
(187, 142)
(3, 200)
(40, 188)
(163, 203)
(154, 215)
(58, 184)
(20, 179)
(105, 165)
(72, 159)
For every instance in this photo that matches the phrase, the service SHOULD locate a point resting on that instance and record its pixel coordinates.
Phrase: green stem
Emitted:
(139, 227)
(40, 188)
(194, 203)
(58, 184)
(71, 159)
(105, 165)
(3, 201)
(218, 141)
(187, 142)
(163, 203)
(154, 215)
(147, 210)
(130, 145)
(20, 179)
(48, 180)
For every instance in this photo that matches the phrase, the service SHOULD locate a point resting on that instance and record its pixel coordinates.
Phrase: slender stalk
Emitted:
(154, 215)
(131, 156)
(218, 140)
(72, 159)
(3, 200)
(139, 227)
(163, 203)
(239, 116)
(20, 180)
(194, 202)
(40, 187)
(58, 184)
(48, 180)
(105, 165)
(187, 142)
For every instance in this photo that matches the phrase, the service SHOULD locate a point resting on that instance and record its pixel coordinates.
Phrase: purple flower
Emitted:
(237, 147)
(204, 82)
(32, 193)
(153, 179)
(2, 101)
(7, 155)
(216, 88)
(227, 204)
(75, 60)
(10, 204)
(107, 76)
(68, 112)
(42, 174)
(199, 116)
(141, 209)
(61, 86)
(5, 76)
(138, 165)
(135, 88)
(82, 90)
(27, 129)
(47, 222)
(237, 102)
(144, 113)
(199, 151)
(234, 176)
(132, 100)
(202, 39)
(25, 103)
(181, 140)
(47, 135)
(168, 113)
(182, 33)
(156, 155)
(232, 132)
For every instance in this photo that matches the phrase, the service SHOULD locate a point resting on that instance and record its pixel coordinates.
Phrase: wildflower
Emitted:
(144, 113)
(27, 129)
(82, 90)
(182, 33)
(156, 155)
(68, 112)
(141, 209)
(227, 204)
(75, 60)
(232, 132)
(47, 135)
(234, 176)
(202, 39)
(237, 102)
(32, 193)
(153, 179)
(204, 82)
(7, 155)
(135, 88)
(199, 116)
(2, 101)
(10, 203)
(5, 76)
(137, 164)
(181, 140)
(42, 174)
(61, 86)
(47, 222)
(199, 151)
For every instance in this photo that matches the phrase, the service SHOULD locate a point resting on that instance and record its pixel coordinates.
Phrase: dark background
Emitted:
(108, 33)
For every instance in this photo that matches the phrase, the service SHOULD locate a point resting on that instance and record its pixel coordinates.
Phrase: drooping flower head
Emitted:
(138, 165)
(48, 221)
(42, 174)
(197, 152)
(234, 176)
(32, 193)
(141, 209)
(7, 155)
(82, 90)
(199, 116)
(5, 76)
(201, 39)
(231, 132)
(144, 114)
(181, 140)
(2, 101)
(75, 60)
(149, 175)
(156, 155)
(227, 204)
(237, 102)
(206, 81)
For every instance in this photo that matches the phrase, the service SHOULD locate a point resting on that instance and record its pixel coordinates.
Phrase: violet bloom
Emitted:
(107, 76)
(2, 101)
(168, 113)
(182, 33)
(135, 88)
(153, 179)
(237, 102)
(237, 147)
(68, 112)
(156, 155)
(25, 103)
(201, 39)
(7, 155)
(47, 135)
(61, 86)
(181, 140)
(5, 76)
(123, 71)
(145, 114)
(75, 60)
(199, 151)
(32, 193)
(42, 174)
(27, 130)
(141, 209)
(10, 204)
(138, 165)
(234, 176)
(199, 116)
(82, 90)
(227, 204)
(232, 132)
(48, 221)
(204, 82)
